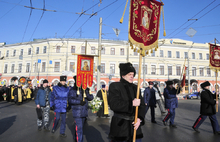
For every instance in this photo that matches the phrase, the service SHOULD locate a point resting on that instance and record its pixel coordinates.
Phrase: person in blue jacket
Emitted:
(42, 101)
(79, 108)
(58, 102)
(171, 102)
(150, 100)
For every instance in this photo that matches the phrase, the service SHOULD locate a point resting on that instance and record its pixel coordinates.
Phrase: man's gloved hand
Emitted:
(82, 103)
(51, 108)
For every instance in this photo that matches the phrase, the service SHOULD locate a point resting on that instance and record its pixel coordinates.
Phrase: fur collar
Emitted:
(60, 85)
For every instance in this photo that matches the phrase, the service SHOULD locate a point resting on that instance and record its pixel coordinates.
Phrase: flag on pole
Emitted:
(144, 24)
(214, 57)
(184, 77)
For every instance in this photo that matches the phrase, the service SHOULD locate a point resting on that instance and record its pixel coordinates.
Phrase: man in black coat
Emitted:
(207, 108)
(122, 101)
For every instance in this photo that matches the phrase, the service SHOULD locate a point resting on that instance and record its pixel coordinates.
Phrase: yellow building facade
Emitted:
(49, 58)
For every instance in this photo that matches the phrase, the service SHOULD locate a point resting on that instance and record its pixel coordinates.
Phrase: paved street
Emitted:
(18, 124)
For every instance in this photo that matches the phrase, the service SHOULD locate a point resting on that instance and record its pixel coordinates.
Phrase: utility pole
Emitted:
(48, 61)
(66, 55)
(188, 75)
(99, 54)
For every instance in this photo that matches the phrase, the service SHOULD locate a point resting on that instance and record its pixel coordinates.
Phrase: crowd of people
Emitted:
(122, 100)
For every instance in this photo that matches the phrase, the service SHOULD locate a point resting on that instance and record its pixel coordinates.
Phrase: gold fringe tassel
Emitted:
(121, 20)
(77, 90)
(164, 32)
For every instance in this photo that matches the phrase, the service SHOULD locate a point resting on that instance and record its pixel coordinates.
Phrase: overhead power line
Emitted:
(191, 18)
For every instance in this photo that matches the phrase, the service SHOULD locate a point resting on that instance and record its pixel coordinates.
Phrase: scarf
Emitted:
(105, 101)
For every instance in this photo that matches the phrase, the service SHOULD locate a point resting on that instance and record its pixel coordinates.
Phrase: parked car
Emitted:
(195, 95)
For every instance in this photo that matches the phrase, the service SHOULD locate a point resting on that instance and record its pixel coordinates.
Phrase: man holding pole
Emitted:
(207, 109)
(122, 100)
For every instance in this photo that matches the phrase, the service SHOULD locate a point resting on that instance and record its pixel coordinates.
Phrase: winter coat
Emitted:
(59, 97)
(149, 96)
(74, 100)
(170, 98)
(41, 97)
(207, 103)
(121, 95)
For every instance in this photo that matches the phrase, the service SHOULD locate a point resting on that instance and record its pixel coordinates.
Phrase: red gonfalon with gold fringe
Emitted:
(214, 57)
(144, 23)
(84, 71)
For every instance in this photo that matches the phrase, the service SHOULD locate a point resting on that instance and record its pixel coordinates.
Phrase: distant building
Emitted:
(49, 58)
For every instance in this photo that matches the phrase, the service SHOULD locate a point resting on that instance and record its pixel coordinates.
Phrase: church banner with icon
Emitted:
(214, 57)
(144, 24)
(84, 71)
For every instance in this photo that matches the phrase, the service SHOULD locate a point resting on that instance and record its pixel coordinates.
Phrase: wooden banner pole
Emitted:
(138, 92)
(216, 74)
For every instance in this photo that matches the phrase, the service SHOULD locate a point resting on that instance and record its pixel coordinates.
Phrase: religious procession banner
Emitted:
(214, 57)
(144, 24)
(84, 71)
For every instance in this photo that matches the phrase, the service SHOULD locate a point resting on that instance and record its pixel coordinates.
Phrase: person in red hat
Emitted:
(150, 100)
(207, 109)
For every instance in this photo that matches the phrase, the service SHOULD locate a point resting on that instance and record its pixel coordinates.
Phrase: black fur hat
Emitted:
(169, 82)
(204, 84)
(125, 68)
(63, 78)
(45, 81)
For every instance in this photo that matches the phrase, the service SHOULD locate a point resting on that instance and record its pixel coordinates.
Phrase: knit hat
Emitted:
(169, 82)
(45, 81)
(62, 78)
(204, 84)
(126, 68)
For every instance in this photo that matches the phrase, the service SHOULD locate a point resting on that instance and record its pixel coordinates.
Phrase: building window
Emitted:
(21, 53)
(73, 49)
(58, 49)
(56, 66)
(112, 68)
(19, 68)
(136, 67)
(177, 54)
(28, 67)
(207, 56)
(35, 67)
(153, 54)
(103, 50)
(7, 53)
(14, 53)
(200, 56)
(169, 70)
(112, 51)
(122, 51)
(45, 49)
(161, 53)
(12, 68)
(169, 54)
(135, 53)
(161, 70)
(153, 69)
(185, 55)
(201, 71)
(37, 50)
(29, 51)
(208, 72)
(193, 71)
(92, 50)
(43, 67)
(72, 66)
(6, 68)
(83, 49)
(178, 68)
(0, 53)
(102, 67)
(193, 56)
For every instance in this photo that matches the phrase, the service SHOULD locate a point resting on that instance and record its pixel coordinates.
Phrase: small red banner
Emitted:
(144, 23)
(214, 57)
(84, 70)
